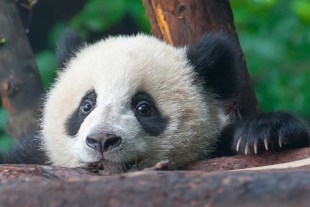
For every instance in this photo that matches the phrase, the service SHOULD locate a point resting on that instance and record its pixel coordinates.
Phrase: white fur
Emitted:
(117, 68)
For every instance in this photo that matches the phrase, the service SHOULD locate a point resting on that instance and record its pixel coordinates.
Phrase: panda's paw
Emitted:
(270, 132)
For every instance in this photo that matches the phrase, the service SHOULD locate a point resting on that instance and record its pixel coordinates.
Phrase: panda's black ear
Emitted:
(67, 46)
(215, 60)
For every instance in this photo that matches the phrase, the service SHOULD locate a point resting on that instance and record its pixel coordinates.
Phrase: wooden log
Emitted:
(17, 173)
(10, 173)
(20, 82)
(182, 22)
(164, 188)
(54, 186)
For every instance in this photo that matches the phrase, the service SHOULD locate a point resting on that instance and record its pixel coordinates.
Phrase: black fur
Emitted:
(153, 124)
(67, 46)
(215, 60)
(74, 122)
(225, 140)
(272, 126)
(27, 151)
(214, 57)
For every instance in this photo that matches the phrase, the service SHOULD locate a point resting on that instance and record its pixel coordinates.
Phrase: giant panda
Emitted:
(131, 101)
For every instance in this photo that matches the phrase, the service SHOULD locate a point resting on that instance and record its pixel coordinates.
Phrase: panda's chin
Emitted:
(105, 167)
(94, 166)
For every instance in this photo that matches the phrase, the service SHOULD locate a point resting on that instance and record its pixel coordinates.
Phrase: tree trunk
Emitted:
(20, 81)
(182, 22)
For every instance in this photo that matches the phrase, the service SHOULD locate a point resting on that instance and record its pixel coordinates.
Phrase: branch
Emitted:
(20, 81)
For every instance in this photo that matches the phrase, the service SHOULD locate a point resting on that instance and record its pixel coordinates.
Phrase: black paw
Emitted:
(270, 132)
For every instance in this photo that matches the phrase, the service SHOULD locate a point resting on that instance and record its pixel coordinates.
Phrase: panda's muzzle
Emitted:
(103, 142)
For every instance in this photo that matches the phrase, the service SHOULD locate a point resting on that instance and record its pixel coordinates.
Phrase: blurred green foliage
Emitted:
(275, 38)
(5, 141)
(274, 34)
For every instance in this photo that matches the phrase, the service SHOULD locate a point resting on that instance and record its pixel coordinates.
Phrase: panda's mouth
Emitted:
(94, 167)
(97, 167)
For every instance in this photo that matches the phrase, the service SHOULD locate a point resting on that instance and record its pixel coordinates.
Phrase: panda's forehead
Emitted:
(122, 66)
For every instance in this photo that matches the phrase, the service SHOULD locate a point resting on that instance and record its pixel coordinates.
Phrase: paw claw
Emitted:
(280, 141)
(255, 146)
(266, 143)
(247, 146)
(238, 144)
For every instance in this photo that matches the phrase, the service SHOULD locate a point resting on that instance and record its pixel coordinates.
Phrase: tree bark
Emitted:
(9, 173)
(163, 188)
(20, 81)
(182, 22)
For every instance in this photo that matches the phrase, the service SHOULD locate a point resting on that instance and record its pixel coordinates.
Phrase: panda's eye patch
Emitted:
(147, 114)
(88, 103)
(143, 108)
(87, 106)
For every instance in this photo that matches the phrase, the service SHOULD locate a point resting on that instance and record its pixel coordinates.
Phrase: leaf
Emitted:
(56, 32)
(137, 10)
(99, 15)
(5, 142)
(3, 115)
(302, 9)
(47, 64)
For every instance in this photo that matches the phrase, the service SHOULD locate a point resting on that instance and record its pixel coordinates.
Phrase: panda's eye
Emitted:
(143, 108)
(87, 106)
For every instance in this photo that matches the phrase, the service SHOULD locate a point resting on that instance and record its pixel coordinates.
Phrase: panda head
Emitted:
(135, 99)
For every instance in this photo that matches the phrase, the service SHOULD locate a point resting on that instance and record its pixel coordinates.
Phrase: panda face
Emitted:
(128, 100)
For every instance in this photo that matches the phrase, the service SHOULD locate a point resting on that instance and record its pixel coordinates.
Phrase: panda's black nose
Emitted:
(103, 142)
